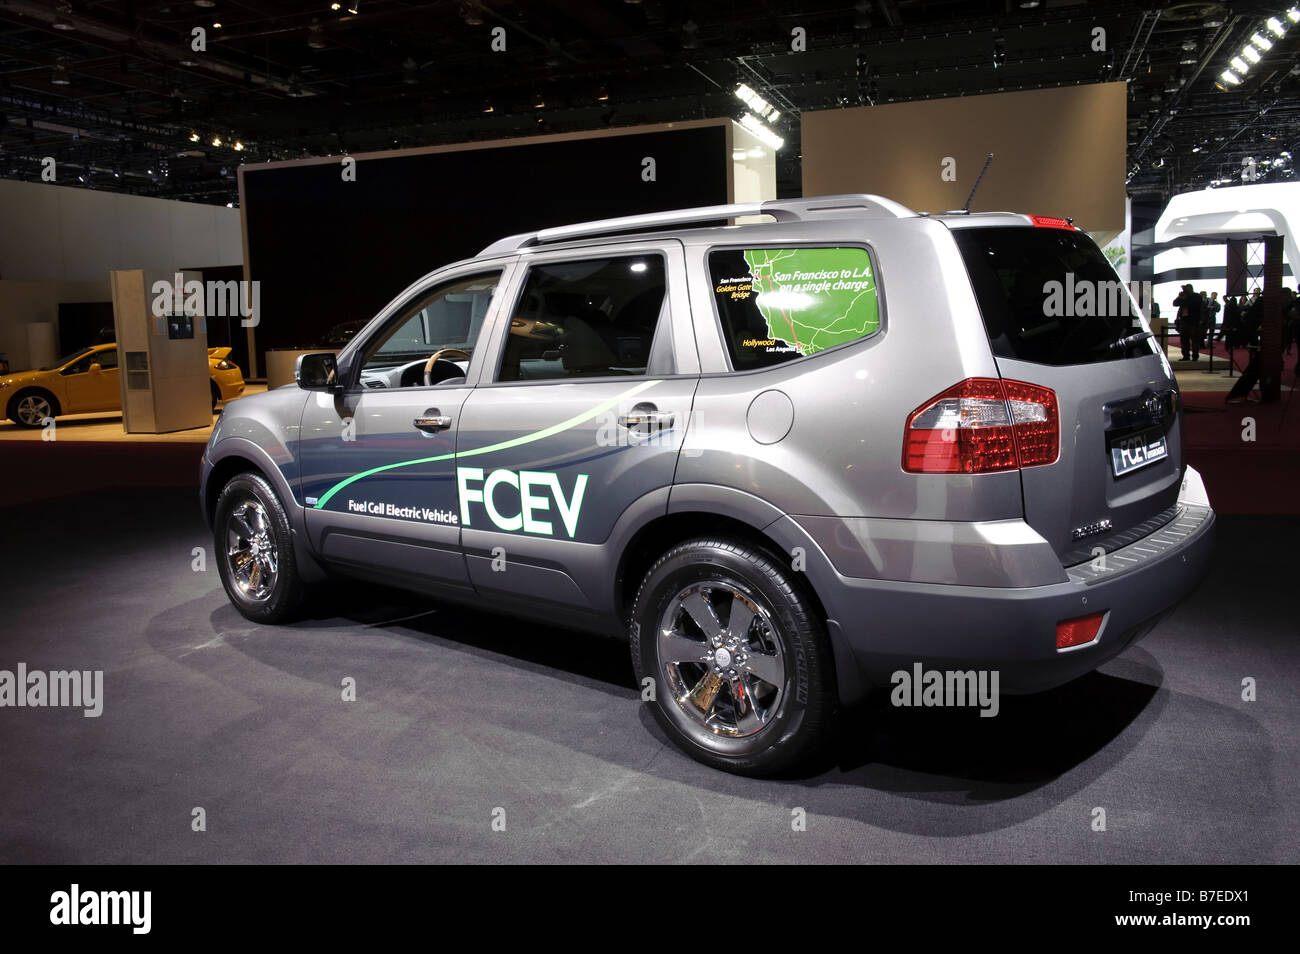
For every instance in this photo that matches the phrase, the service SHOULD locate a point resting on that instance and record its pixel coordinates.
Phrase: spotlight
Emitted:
(354, 7)
(205, 4)
(194, 137)
(336, 6)
(239, 146)
(602, 95)
(61, 22)
(470, 14)
(1293, 14)
(60, 76)
(538, 102)
(216, 140)
(217, 25)
(488, 107)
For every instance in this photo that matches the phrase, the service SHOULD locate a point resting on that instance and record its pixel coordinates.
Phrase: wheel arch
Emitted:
(700, 509)
(55, 404)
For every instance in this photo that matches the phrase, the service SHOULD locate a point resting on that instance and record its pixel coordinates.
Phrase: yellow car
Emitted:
(87, 380)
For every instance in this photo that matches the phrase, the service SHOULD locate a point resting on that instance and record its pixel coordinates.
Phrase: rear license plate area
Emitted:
(1135, 451)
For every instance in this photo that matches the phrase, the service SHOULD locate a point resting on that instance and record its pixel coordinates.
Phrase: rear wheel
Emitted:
(216, 394)
(254, 551)
(738, 655)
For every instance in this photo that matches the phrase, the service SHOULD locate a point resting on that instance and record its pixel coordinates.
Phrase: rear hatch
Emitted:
(1057, 316)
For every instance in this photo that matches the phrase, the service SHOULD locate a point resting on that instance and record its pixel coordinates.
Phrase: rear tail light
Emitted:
(1077, 632)
(983, 425)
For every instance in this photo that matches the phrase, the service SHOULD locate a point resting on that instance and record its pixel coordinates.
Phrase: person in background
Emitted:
(1189, 323)
(1231, 316)
(1212, 316)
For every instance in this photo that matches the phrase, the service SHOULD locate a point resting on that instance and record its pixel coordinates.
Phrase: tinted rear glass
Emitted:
(1050, 296)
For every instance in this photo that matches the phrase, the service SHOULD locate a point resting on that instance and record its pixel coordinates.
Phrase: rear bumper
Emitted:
(888, 626)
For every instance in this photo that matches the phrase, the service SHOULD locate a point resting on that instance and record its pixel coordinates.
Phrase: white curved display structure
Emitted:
(1236, 212)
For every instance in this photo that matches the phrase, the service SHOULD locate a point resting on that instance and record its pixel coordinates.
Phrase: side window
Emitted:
(82, 366)
(107, 359)
(780, 304)
(590, 318)
(444, 319)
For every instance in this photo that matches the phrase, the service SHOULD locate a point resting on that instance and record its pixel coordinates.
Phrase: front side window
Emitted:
(106, 359)
(443, 322)
(591, 318)
(781, 304)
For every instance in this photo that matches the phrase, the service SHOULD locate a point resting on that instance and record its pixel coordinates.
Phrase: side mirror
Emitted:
(317, 371)
(94, 367)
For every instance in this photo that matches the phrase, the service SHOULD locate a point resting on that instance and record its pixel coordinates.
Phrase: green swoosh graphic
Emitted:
(503, 445)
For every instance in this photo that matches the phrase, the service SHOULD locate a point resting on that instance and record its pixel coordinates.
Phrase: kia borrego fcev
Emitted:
(784, 460)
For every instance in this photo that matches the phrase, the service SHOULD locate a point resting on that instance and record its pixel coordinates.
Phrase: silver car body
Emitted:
(959, 570)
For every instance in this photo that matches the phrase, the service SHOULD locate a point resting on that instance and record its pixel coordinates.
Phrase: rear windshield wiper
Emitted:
(1123, 344)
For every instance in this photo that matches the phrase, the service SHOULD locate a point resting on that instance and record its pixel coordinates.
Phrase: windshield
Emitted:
(1050, 296)
(66, 358)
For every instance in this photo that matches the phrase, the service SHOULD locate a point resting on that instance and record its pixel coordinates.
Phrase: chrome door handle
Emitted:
(649, 419)
(432, 422)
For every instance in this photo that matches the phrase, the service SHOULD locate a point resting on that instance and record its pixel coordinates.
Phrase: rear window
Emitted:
(780, 304)
(1050, 296)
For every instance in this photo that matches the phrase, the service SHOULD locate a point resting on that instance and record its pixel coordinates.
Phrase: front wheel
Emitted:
(738, 657)
(32, 408)
(254, 550)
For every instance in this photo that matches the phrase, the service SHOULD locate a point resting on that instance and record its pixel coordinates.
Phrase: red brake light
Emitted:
(1076, 632)
(981, 426)
(1050, 222)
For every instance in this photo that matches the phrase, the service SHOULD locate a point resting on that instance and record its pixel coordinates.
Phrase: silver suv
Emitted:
(786, 460)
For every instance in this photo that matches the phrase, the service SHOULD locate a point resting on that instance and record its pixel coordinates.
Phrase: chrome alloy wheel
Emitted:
(728, 678)
(33, 409)
(251, 552)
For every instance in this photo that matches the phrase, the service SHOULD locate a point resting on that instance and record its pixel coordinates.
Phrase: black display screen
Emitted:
(329, 251)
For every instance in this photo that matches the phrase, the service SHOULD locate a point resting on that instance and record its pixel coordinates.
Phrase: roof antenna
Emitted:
(987, 162)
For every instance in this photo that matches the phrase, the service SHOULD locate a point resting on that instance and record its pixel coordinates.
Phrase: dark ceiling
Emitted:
(113, 90)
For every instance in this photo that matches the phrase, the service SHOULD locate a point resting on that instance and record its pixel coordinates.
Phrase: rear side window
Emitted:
(596, 317)
(1050, 296)
(780, 304)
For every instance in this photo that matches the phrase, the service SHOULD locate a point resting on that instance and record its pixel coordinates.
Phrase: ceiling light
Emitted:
(1250, 53)
(764, 135)
(1293, 14)
(538, 102)
(336, 6)
(1263, 42)
(690, 39)
(1276, 27)
(216, 140)
(206, 4)
(194, 137)
(1240, 65)
(239, 146)
(188, 62)
(602, 95)
(217, 25)
(354, 7)
(488, 107)
(1187, 61)
(61, 22)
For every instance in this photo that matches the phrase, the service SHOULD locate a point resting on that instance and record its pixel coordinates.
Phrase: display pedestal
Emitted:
(164, 358)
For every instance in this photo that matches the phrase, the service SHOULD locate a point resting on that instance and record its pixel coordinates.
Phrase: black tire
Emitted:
(216, 395)
(719, 571)
(248, 497)
(14, 410)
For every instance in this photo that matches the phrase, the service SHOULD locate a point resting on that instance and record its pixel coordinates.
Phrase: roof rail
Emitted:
(783, 210)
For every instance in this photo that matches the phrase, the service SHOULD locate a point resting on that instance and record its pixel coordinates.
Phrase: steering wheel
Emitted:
(438, 356)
